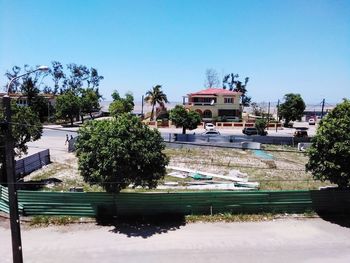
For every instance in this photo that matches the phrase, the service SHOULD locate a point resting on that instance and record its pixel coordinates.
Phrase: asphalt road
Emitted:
(287, 240)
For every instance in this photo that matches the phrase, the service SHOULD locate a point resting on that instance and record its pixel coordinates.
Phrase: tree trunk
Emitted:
(82, 119)
(183, 130)
(152, 112)
(71, 120)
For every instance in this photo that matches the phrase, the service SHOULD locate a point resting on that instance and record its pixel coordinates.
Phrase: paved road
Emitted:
(288, 240)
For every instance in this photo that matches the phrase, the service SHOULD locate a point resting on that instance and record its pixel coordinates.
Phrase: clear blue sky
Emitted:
(283, 46)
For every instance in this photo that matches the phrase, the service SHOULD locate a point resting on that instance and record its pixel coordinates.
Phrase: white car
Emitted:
(312, 122)
(209, 127)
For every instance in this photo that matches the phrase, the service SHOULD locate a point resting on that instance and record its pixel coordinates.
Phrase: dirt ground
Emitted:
(287, 240)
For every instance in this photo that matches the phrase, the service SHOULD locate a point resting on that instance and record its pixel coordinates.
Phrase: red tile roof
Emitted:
(214, 91)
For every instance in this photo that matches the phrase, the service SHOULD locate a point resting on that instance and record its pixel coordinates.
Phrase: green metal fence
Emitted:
(204, 202)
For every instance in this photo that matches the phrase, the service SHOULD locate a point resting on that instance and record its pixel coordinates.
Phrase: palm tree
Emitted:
(154, 96)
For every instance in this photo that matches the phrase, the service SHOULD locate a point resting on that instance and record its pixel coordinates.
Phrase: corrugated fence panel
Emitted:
(32, 163)
(205, 202)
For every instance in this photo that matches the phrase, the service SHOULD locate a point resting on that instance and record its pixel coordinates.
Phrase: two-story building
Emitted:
(215, 104)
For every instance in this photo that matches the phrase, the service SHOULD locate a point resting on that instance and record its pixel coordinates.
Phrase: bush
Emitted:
(261, 125)
(330, 150)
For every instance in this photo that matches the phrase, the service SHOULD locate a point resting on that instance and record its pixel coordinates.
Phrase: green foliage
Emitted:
(261, 125)
(29, 130)
(122, 151)
(121, 105)
(292, 109)
(231, 81)
(89, 100)
(154, 96)
(67, 106)
(330, 151)
(185, 119)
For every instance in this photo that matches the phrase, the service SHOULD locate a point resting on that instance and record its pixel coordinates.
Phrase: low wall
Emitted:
(200, 202)
(229, 139)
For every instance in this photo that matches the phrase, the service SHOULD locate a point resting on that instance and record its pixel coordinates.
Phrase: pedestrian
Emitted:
(67, 139)
(71, 137)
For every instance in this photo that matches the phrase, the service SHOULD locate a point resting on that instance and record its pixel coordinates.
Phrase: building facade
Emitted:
(215, 104)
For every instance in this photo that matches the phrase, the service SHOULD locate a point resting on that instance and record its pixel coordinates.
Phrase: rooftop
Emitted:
(214, 91)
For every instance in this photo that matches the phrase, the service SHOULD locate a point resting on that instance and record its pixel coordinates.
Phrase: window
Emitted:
(228, 100)
(207, 114)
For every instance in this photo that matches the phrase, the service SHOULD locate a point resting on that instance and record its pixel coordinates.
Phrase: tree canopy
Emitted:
(26, 127)
(292, 109)
(184, 118)
(154, 96)
(67, 106)
(231, 81)
(122, 151)
(121, 105)
(89, 100)
(329, 154)
(261, 125)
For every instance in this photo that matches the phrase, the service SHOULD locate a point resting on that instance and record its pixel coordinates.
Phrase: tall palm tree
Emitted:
(154, 96)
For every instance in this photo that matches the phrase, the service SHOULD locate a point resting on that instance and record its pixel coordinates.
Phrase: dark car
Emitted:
(253, 131)
(300, 133)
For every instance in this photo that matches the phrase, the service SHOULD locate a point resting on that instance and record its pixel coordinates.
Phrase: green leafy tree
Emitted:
(89, 101)
(261, 125)
(78, 75)
(329, 154)
(67, 106)
(292, 109)
(36, 101)
(184, 118)
(231, 82)
(26, 127)
(154, 96)
(121, 151)
(58, 77)
(41, 106)
(121, 105)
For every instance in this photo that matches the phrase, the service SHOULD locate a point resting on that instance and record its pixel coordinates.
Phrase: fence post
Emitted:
(41, 165)
(24, 166)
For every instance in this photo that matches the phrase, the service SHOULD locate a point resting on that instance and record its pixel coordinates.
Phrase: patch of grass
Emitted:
(41, 221)
(49, 171)
(229, 217)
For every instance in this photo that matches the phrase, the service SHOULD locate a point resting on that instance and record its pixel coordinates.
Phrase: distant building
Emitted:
(215, 104)
(315, 112)
(22, 100)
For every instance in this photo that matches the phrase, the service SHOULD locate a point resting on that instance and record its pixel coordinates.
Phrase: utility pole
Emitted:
(323, 102)
(10, 172)
(268, 116)
(142, 107)
(278, 104)
(11, 185)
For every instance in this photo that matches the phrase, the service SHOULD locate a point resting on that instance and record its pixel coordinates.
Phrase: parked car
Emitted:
(211, 133)
(300, 133)
(209, 127)
(312, 121)
(252, 131)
